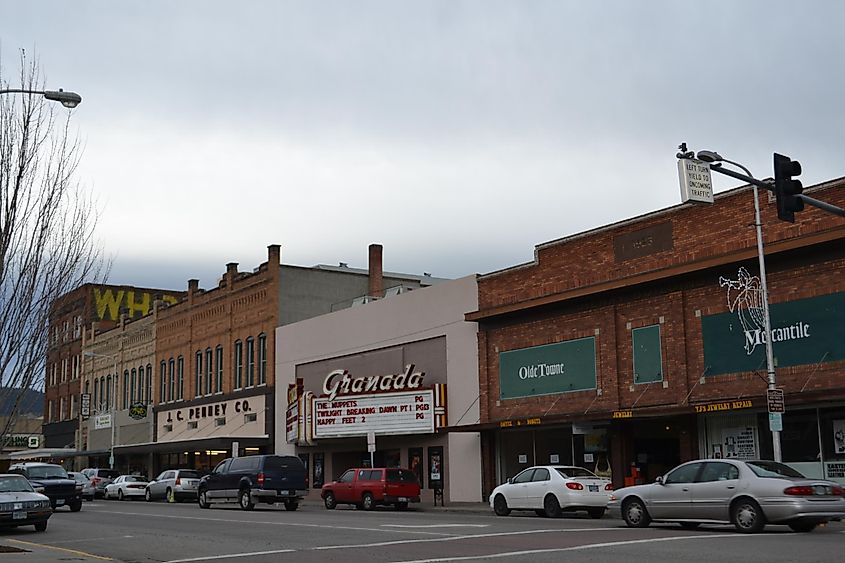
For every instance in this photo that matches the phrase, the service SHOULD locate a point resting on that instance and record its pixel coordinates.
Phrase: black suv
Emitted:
(53, 481)
(256, 478)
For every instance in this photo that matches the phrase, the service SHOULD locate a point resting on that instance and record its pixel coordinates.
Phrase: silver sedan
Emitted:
(748, 494)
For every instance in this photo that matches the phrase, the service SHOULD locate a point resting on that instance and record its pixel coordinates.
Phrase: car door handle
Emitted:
(731, 487)
(685, 490)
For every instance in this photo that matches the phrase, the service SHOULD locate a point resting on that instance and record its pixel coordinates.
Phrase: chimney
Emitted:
(376, 286)
(274, 255)
(193, 287)
(231, 274)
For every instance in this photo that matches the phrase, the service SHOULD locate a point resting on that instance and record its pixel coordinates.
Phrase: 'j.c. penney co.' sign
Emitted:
(806, 331)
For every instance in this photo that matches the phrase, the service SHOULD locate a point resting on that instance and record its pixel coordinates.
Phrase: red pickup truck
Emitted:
(366, 488)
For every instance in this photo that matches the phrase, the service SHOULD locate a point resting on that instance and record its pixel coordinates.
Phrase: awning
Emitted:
(43, 453)
(197, 444)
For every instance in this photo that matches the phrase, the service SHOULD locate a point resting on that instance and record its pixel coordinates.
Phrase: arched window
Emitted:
(239, 365)
(171, 380)
(108, 391)
(180, 378)
(209, 372)
(198, 374)
(250, 362)
(132, 387)
(149, 384)
(162, 382)
(218, 386)
(126, 389)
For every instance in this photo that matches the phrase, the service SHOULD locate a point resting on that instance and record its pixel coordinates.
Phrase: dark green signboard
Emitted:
(545, 370)
(648, 360)
(807, 331)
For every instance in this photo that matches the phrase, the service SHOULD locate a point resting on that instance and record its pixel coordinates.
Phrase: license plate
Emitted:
(593, 488)
(284, 493)
(60, 502)
(21, 515)
(403, 499)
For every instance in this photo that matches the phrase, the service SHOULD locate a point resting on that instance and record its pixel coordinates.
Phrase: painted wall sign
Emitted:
(550, 369)
(537, 421)
(236, 417)
(109, 301)
(21, 441)
(806, 331)
(392, 413)
(725, 406)
(643, 242)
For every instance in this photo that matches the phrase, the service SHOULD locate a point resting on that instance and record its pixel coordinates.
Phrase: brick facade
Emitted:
(660, 269)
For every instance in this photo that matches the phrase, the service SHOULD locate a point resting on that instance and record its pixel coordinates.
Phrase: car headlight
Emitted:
(39, 489)
(45, 503)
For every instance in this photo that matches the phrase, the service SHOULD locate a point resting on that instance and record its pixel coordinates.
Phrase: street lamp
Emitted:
(67, 99)
(716, 160)
(112, 410)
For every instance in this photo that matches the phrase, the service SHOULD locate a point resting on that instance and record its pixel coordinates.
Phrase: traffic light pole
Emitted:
(770, 361)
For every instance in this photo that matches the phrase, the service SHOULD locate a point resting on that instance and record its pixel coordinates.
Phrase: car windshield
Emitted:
(11, 484)
(80, 478)
(773, 469)
(47, 472)
(575, 472)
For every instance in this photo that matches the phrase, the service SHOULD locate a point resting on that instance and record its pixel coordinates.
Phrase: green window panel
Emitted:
(648, 359)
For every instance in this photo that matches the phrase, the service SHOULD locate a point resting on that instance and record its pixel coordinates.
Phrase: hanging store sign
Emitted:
(85, 405)
(550, 369)
(138, 411)
(806, 331)
(389, 413)
(102, 421)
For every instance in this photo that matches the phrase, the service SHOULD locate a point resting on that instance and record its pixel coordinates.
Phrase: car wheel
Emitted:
(120, 494)
(401, 506)
(803, 527)
(202, 500)
(367, 502)
(635, 514)
(148, 495)
(551, 506)
(75, 506)
(747, 516)
(500, 506)
(330, 501)
(596, 513)
(245, 500)
(689, 525)
(41, 526)
(291, 505)
(170, 496)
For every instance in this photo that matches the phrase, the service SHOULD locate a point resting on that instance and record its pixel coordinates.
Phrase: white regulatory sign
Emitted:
(387, 413)
(696, 184)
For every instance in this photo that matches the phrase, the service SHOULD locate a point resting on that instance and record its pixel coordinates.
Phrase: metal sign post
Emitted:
(371, 446)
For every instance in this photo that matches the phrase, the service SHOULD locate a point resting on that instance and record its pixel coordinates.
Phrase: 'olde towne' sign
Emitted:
(545, 370)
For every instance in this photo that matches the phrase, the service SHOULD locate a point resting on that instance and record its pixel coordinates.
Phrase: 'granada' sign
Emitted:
(340, 382)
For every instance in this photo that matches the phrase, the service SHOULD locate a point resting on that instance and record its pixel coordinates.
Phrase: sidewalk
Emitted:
(21, 551)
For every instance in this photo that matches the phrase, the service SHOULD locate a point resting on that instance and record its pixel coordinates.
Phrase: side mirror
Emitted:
(510, 480)
(659, 480)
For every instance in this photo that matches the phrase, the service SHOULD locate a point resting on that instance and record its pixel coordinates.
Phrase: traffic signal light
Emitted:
(786, 188)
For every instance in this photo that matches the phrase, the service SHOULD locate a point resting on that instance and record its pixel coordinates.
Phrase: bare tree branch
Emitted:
(47, 227)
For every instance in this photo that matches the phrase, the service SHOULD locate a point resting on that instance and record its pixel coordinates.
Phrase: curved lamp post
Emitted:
(67, 99)
(716, 159)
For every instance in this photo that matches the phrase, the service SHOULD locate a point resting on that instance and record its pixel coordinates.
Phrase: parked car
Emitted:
(748, 494)
(368, 487)
(550, 490)
(100, 478)
(126, 487)
(175, 485)
(20, 505)
(256, 478)
(87, 485)
(53, 481)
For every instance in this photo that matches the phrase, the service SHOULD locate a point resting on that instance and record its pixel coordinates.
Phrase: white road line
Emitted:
(232, 555)
(436, 526)
(276, 523)
(92, 539)
(580, 547)
(464, 537)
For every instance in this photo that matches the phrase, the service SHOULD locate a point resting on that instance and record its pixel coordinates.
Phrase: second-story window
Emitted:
(209, 372)
(219, 368)
(125, 388)
(250, 362)
(171, 380)
(198, 374)
(239, 365)
(162, 382)
(262, 359)
(180, 378)
(149, 384)
(108, 390)
(132, 384)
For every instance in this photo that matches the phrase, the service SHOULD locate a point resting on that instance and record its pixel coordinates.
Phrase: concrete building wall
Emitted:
(415, 316)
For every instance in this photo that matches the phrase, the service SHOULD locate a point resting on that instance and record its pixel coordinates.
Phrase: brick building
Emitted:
(70, 314)
(635, 346)
(214, 376)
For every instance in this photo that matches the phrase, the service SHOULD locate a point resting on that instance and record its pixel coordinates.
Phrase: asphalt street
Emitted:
(134, 531)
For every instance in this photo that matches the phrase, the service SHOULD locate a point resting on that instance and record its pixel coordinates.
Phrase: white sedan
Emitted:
(126, 486)
(551, 489)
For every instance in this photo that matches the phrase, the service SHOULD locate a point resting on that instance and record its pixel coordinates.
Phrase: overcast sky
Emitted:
(457, 134)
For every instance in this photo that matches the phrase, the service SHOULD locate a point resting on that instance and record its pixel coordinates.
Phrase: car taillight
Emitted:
(608, 487)
(799, 491)
(838, 491)
(575, 486)
(178, 481)
(261, 479)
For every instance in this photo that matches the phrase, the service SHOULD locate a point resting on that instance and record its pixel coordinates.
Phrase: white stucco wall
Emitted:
(423, 313)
